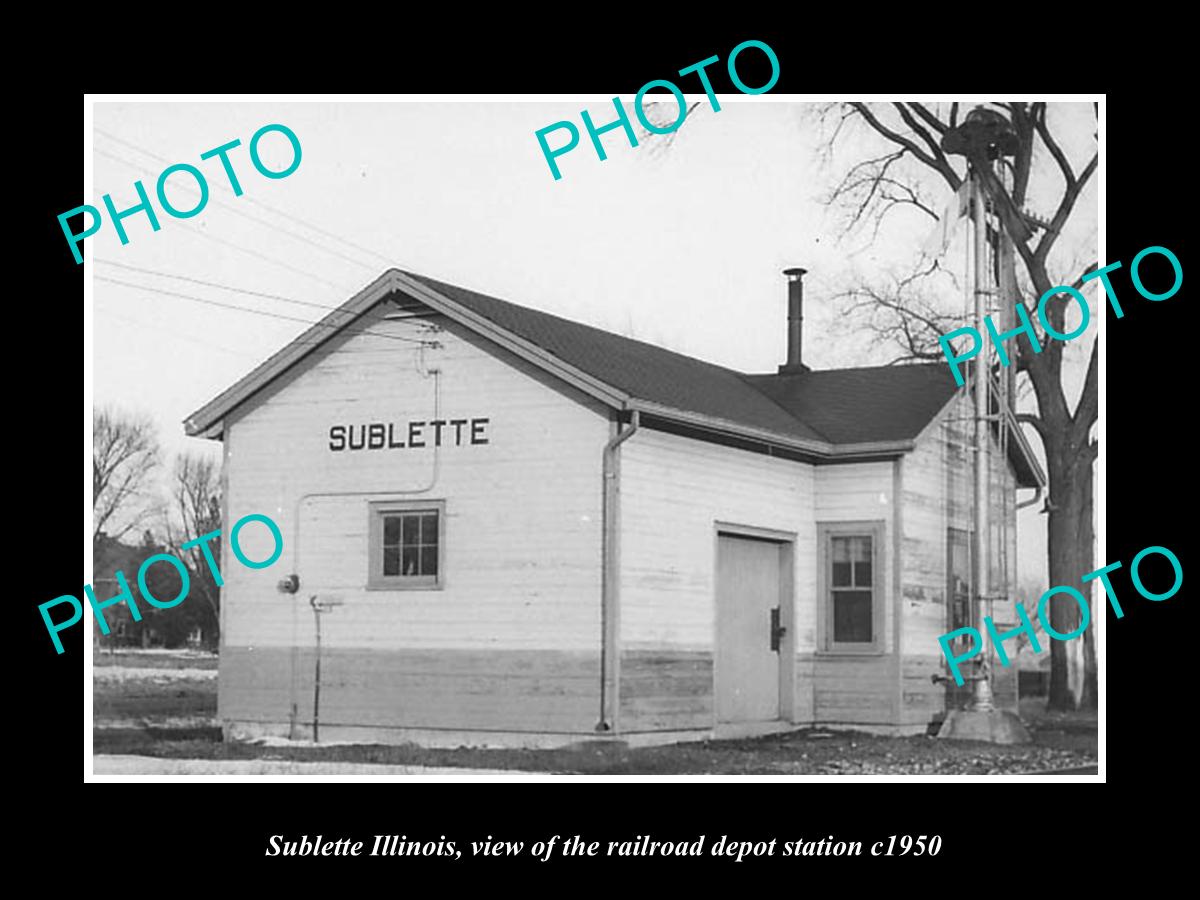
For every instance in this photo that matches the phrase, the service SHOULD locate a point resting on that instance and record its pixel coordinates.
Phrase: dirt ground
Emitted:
(139, 688)
(164, 705)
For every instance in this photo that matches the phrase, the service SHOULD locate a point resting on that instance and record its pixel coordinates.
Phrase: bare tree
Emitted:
(125, 454)
(907, 314)
(195, 512)
(662, 115)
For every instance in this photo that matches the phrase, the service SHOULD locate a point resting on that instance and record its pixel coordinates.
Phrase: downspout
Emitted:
(610, 573)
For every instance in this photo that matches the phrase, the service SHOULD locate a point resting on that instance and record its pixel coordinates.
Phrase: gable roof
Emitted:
(883, 403)
(850, 406)
(840, 413)
(643, 371)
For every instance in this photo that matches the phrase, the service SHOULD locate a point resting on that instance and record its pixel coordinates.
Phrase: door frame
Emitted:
(786, 541)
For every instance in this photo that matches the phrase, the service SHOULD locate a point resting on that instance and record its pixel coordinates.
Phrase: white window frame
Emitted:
(376, 580)
(876, 530)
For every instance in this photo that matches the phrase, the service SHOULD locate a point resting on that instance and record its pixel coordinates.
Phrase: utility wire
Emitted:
(262, 312)
(226, 287)
(261, 203)
(149, 326)
(212, 237)
(246, 215)
(229, 287)
(214, 284)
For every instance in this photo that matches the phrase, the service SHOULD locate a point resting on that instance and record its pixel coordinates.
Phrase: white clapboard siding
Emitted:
(673, 491)
(938, 495)
(859, 492)
(522, 531)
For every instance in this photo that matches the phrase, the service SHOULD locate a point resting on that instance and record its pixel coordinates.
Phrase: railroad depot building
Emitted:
(526, 529)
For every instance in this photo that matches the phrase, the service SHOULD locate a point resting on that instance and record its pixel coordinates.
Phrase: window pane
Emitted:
(840, 552)
(429, 560)
(860, 548)
(852, 616)
(841, 574)
(841, 549)
(862, 574)
(960, 563)
(959, 551)
(410, 560)
(411, 536)
(391, 529)
(391, 560)
(429, 529)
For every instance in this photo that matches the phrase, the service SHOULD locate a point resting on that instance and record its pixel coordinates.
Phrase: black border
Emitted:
(1147, 453)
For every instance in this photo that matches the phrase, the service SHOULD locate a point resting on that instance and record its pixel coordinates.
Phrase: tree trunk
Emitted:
(1098, 602)
(1070, 558)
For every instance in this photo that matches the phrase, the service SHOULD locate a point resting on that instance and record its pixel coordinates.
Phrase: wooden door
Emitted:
(747, 669)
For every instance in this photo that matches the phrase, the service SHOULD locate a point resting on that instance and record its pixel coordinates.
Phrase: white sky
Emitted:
(680, 246)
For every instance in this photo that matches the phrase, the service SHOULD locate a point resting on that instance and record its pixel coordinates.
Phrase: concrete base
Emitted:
(996, 727)
(444, 738)
(908, 730)
(279, 733)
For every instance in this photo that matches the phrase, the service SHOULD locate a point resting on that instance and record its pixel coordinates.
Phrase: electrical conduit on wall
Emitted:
(433, 373)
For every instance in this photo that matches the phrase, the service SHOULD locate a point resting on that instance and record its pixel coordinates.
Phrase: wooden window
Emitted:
(958, 580)
(851, 609)
(407, 545)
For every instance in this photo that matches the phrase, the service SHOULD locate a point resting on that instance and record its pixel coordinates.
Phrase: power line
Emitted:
(224, 287)
(246, 215)
(214, 284)
(262, 203)
(212, 237)
(138, 323)
(151, 326)
(263, 312)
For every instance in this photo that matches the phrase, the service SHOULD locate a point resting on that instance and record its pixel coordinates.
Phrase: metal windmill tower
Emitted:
(984, 137)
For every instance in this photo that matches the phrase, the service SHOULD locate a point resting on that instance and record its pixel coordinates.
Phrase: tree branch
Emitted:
(1086, 412)
(1079, 282)
(935, 148)
(124, 456)
(1070, 195)
(930, 119)
(1039, 123)
(944, 168)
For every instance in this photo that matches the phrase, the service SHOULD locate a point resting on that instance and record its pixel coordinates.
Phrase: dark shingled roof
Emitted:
(852, 406)
(640, 369)
(839, 408)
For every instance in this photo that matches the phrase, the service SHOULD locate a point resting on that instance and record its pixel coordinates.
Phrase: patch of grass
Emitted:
(145, 700)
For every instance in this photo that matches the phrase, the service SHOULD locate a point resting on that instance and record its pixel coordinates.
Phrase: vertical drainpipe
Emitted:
(897, 572)
(610, 574)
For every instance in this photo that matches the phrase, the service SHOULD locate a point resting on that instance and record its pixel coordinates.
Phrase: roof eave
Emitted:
(527, 350)
(819, 449)
(208, 420)
(1035, 468)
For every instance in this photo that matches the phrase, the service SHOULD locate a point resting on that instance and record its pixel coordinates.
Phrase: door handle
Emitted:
(777, 630)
